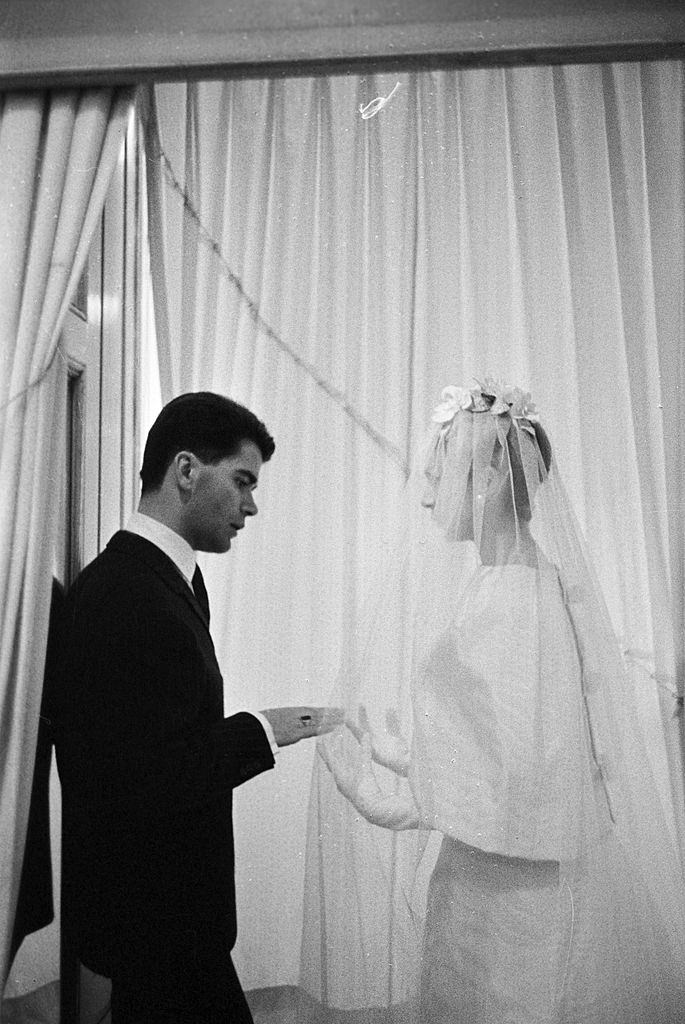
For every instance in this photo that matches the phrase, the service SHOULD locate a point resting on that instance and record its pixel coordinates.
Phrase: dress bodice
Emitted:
(497, 746)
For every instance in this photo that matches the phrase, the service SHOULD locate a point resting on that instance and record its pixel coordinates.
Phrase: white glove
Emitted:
(389, 749)
(359, 786)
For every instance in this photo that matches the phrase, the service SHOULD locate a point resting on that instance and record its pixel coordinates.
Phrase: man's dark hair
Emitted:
(210, 426)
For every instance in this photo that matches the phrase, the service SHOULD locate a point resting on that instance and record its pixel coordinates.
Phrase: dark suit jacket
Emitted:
(35, 905)
(147, 760)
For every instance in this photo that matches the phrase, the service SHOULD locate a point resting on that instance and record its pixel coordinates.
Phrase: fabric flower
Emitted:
(489, 395)
(508, 399)
(522, 407)
(453, 399)
(499, 392)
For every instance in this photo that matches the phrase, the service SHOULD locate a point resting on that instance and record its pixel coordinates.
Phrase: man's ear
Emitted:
(186, 467)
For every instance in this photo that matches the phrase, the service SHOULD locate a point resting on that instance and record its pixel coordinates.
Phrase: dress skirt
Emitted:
(494, 939)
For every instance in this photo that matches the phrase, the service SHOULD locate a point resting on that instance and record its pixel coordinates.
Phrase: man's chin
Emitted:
(215, 547)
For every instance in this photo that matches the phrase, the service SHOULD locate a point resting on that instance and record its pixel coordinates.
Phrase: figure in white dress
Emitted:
(486, 842)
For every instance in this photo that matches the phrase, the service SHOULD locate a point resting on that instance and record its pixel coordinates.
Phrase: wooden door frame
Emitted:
(102, 340)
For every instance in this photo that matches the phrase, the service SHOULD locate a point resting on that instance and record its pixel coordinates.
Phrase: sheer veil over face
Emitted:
(488, 801)
(492, 473)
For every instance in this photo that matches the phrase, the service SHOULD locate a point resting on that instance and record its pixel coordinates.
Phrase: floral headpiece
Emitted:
(487, 396)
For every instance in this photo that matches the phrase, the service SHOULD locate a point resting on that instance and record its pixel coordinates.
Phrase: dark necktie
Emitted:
(201, 592)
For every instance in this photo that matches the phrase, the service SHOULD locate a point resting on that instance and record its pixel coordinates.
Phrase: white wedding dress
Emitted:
(486, 844)
(522, 925)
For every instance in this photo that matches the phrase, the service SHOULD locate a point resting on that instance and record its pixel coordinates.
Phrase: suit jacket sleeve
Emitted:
(145, 711)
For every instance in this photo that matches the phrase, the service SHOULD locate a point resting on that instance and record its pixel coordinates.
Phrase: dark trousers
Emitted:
(177, 976)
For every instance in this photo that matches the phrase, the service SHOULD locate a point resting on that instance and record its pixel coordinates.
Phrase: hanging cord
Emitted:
(336, 394)
(38, 379)
(642, 660)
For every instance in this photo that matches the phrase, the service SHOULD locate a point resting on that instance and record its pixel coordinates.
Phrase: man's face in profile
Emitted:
(223, 498)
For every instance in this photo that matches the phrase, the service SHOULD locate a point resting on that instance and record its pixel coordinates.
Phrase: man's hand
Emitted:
(293, 724)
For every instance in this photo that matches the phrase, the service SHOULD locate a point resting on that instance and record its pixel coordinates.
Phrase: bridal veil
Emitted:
(485, 840)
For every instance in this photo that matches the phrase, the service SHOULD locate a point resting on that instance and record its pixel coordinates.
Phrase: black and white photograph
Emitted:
(342, 572)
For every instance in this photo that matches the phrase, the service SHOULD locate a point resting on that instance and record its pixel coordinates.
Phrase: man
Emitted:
(146, 758)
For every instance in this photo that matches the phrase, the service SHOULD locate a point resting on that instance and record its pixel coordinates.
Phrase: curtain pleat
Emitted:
(57, 153)
(522, 222)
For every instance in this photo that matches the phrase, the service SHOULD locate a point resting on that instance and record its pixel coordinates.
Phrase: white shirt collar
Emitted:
(167, 540)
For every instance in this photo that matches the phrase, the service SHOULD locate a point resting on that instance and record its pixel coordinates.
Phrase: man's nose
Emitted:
(249, 506)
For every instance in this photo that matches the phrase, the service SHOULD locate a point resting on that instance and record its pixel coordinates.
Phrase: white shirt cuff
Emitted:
(266, 725)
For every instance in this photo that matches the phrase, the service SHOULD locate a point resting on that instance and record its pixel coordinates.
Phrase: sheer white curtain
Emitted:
(57, 152)
(333, 272)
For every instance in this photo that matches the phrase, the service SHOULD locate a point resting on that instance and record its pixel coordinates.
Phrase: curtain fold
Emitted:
(335, 272)
(57, 153)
